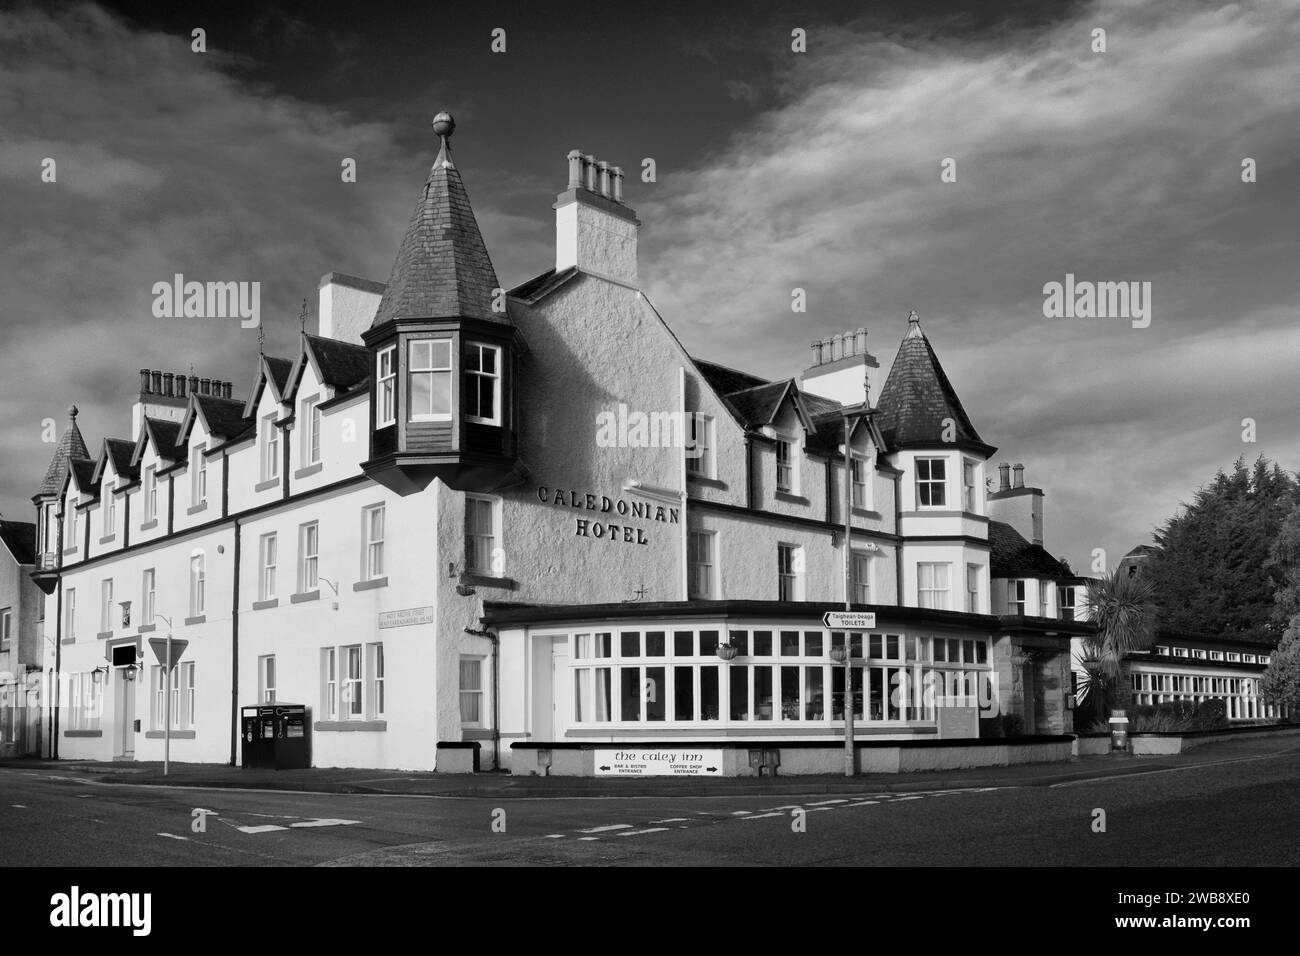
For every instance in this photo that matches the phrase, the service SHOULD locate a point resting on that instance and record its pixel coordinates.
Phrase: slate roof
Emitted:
(1011, 556)
(71, 445)
(165, 435)
(726, 380)
(120, 450)
(442, 269)
(279, 369)
(917, 397)
(84, 471)
(20, 538)
(225, 416)
(757, 406)
(538, 287)
(343, 365)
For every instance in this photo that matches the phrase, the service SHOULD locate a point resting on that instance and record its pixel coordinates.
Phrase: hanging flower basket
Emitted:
(727, 651)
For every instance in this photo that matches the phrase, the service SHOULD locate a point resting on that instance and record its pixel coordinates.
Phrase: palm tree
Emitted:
(1120, 606)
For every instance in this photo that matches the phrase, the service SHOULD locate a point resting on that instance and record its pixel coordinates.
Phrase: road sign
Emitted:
(159, 645)
(849, 620)
(633, 762)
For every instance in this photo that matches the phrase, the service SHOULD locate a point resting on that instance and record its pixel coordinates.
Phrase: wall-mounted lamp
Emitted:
(333, 587)
(97, 675)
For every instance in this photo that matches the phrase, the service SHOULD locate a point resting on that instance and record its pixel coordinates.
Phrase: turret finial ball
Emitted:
(443, 124)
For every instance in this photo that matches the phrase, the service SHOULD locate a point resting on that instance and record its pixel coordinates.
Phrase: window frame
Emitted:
(700, 438)
(70, 613)
(859, 477)
(477, 694)
(495, 568)
(347, 682)
(308, 583)
(786, 467)
(433, 371)
(6, 627)
(708, 568)
(970, 489)
(270, 448)
(372, 549)
(266, 679)
(198, 584)
(386, 387)
(931, 483)
(862, 589)
(945, 591)
(268, 559)
(973, 593)
(310, 416)
(495, 377)
(150, 494)
(106, 606)
(376, 701)
(198, 476)
(792, 577)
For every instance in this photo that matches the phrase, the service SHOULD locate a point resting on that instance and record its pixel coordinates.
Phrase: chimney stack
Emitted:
(840, 368)
(144, 381)
(225, 389)
(1018, 481)
(594, 229)
(156, 378)
(205, 386)
(169, 384)
(1004, 476)
(180, 385)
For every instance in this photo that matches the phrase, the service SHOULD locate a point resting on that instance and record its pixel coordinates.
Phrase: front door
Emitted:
(124, 716)
(561, 687)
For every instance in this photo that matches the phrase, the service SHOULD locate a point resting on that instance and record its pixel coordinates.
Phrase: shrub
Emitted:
(1180, 716)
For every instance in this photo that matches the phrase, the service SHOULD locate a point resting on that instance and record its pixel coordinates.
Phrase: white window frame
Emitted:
(970, 489)
(372, 546)
(268, 556)
(433, 371)
(786, 469)
(702, 571)
(927, 582)
(266, 678)
(472, 375)
(150, 494)
(352, 688)
(329, 673)
(699, 445)
(376, 699)
(1066, 591)
(198, 476)
(106, 606)
(6, 627)
(794, 575)
(308, 557)
(931, 483)
(973, 588)
(70, 613)
(860, 478)
(186, 698)
(148, 595)
(198, 584)
(386, 387)
(72, 528)
(310, 416)
(1017, 596)
(476, 694)
(862, 569)
(495, 551)
(270, 448)
(110, 510)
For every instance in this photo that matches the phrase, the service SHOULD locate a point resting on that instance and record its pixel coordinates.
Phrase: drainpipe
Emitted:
(496, 682)
(898, 545)
(234, 656)
(58, 643)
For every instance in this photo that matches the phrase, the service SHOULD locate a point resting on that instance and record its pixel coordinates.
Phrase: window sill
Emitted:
(483, 421)
(103, 635)
(146, 628)
(83, 733)
(108, 539)
(706, 481)
(68, 640)
(488, 581)
(197, 619)
(149, 525)
(791, 497)
(371, 584)
(68, 552)
(267, 485)
(263, 605)
(866, 513)
(369, 726)
(176, 734)
(309, 470)
(304, 597)
(197, 508)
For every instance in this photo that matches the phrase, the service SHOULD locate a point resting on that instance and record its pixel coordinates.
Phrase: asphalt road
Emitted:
(1243, 809)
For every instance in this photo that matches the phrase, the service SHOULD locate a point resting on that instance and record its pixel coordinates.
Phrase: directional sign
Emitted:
(634, 762)
(159, 645)
(849, 620)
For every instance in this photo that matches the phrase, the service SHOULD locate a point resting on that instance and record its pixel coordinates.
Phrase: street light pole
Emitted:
(167, 700)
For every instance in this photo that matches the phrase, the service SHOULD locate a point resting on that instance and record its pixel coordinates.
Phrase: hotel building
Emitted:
(529, 520)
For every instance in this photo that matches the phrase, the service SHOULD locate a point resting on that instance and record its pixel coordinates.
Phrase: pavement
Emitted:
(502, 785)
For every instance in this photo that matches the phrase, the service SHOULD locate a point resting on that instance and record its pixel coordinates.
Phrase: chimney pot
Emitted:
(861, 344)
(1004, 477)
(156, 378)
(225, 390)
(144, 381)
(1019, 479)
(817, 352)
(837, 346)
(180, 385)
(194, 385)
(604, 178)
(617, 172)
(205, 386)
(169, 384)
(575, 168)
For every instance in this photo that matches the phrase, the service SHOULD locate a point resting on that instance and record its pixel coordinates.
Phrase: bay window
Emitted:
(483, 383)
(385, 388)
(429, 380)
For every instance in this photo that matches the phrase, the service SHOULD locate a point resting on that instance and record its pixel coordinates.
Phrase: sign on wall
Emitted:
(633, 762)
(849, 620)
(406, 617)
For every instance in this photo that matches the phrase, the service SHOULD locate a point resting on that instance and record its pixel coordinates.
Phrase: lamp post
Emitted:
(849, 761)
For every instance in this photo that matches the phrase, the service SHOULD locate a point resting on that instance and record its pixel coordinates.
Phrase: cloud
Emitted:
(1116, 166)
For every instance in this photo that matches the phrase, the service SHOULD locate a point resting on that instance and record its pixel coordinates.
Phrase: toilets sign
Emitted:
(633, 762)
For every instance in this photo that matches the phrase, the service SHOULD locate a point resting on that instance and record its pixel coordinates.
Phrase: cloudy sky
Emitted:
(776, 170)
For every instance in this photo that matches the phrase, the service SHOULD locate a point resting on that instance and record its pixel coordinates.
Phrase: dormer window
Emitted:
(483, 384)
(386, 377)
(199, 471)
(110, 509)
(429, 375)
(270, 449)
(931, 482)
(310, 418)
(860, 499)
(150, 493)
(785, 466)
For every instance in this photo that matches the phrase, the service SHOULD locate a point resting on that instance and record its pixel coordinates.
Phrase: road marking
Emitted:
(18, 806)
(173, 836)
(588, 838)
(265, 828)
(792, 806)
(762, 816)
(901, 799)
(864, 803)
(740, 813)
(324, 823)
(818, 809)
(84, 796)
(555, 836)
(640, 832)
(822, 803)
(672, 820)
(1144, 773)
(604, 829)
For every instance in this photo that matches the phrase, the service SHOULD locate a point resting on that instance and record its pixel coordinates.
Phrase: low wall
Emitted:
(1164, 743)
(794, 758)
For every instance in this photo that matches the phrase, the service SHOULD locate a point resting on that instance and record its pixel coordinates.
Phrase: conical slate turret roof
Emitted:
(917, 398)
(442, 269)
(71, 445)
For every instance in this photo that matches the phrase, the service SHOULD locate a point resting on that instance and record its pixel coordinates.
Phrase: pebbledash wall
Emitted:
(580, 597)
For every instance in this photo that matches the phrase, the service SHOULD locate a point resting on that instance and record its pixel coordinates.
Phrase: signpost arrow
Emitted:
(163, 648)
(606, 767)
(849, 620)
(168, 652)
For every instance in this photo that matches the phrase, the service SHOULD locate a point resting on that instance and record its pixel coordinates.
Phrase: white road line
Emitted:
(173, 836)
(864, 803)
(901, 799)
(640, 832)
(265, 828)
(818, 809)
(605, 829)
(822, 803)
(672, 820)
(325, 823)
(761, 816)
(555, 836)
(588, 838)
(740, 813)
(792, 806)
(18, 806)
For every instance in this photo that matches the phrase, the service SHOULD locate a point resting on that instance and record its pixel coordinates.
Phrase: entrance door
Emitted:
(551, 708)
(561, 687)
(124, 716)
